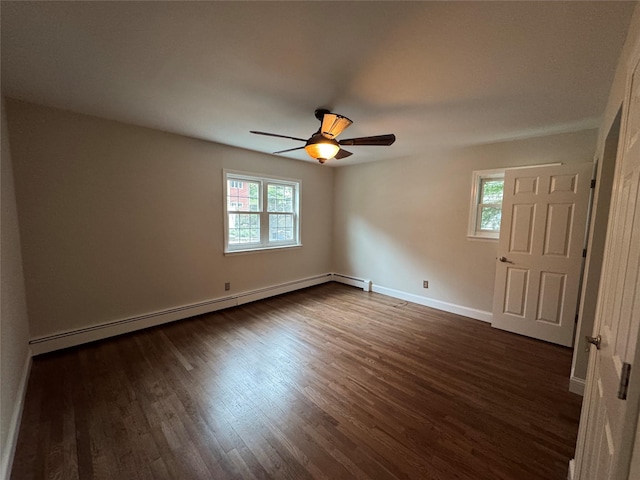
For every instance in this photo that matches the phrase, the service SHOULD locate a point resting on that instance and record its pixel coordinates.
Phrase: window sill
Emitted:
(260, 249)
(482, 238)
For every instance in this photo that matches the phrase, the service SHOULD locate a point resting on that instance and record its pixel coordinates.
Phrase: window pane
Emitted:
(243, 196)
(492, 191)
(490, 218)
(279, 198)
(280, 227)
(244, 228)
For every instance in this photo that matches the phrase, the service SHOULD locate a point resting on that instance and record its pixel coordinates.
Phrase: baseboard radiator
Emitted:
(70, 338)
(353, 281)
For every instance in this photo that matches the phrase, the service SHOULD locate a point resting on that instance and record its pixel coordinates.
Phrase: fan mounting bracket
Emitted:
(320, 113)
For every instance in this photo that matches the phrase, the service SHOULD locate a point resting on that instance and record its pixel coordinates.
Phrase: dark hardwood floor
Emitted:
(329, 382)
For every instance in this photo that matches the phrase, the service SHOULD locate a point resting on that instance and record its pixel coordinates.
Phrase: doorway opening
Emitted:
(596, 237)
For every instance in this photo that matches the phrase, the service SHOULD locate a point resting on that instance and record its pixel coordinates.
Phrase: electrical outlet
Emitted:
(227, 286)
(425, 284)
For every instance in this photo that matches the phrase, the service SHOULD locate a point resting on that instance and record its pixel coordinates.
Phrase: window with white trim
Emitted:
(486, 203)
(261, 212)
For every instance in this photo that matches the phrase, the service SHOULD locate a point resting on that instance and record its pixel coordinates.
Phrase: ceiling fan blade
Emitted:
(382, 140)
(278, 135)
(342, 154)
(289, 150)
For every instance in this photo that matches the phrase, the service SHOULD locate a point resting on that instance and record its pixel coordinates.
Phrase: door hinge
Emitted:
(624, 381)
(593, 183)
(584, 253)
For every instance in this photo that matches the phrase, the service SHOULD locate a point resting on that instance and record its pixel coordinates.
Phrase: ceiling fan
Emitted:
(322, 145)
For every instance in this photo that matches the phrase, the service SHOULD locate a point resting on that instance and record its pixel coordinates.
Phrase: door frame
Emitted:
(595, 245)
(630, 456)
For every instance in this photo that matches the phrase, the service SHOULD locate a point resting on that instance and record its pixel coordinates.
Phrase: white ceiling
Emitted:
(437, 74)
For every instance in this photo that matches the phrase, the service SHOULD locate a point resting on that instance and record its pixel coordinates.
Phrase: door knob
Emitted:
(505, 260)
(594, 340)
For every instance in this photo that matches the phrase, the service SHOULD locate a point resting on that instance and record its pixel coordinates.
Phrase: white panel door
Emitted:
(607, 426)
(539, 263)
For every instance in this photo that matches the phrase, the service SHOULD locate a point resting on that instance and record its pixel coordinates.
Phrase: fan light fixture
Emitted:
(323, 145)
(333, 124)
(321, 148)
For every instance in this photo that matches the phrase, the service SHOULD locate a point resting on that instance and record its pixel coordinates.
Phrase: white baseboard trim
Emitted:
(71, 338)
(572, 466)
(576, 385)
(437, 304)
(9, 449)
(368, 286)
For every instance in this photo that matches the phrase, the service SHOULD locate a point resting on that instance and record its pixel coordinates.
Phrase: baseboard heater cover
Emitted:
(353, 281)
(70, 338)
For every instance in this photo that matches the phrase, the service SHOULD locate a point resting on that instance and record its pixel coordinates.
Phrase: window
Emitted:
(260, 212)
(486, 203)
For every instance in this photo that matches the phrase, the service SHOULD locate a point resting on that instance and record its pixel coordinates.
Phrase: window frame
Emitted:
(478, 176)
(263, 211)
(474, 230)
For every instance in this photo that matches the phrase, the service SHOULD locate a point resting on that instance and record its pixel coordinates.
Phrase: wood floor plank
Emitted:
(328, 382)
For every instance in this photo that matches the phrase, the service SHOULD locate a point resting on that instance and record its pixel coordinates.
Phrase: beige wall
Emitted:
(14, 328)
(404, 221)
(119, 221)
